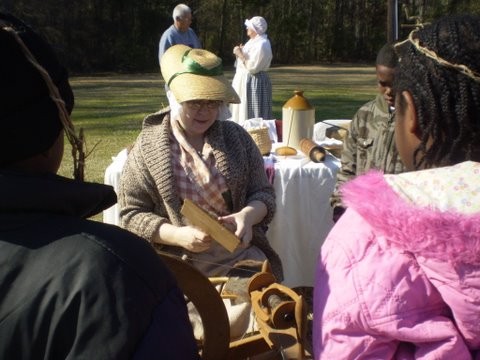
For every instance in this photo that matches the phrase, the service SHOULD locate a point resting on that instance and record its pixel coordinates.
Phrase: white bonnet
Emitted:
(257, 24)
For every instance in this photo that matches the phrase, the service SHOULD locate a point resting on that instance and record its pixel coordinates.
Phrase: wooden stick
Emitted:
(201, 219)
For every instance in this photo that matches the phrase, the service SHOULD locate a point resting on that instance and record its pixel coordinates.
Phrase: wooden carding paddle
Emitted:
(204, 221)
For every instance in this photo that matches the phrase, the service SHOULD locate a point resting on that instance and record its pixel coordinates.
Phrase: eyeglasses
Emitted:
(205, 104)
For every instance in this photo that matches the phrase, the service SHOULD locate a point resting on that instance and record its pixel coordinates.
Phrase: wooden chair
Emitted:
(272, 342)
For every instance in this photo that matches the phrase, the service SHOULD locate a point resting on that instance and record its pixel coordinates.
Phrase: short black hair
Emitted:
(387, 56)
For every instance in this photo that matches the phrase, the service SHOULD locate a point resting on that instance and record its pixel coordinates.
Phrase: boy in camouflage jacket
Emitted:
(370, 141)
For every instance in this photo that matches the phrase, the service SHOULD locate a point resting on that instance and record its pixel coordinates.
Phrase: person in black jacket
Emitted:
(70, 288)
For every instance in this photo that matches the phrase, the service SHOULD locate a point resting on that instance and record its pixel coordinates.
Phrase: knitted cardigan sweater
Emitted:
(148, 195)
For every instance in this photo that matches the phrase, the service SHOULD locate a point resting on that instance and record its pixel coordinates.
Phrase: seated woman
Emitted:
(399, 274)
(189, 152)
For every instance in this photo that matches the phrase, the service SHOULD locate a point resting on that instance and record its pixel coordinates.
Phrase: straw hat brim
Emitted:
(187, 85)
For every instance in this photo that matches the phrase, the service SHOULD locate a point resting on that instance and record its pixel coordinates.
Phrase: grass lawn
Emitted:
(110, 108)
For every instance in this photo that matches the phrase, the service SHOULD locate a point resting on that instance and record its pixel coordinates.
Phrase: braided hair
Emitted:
(440, 67)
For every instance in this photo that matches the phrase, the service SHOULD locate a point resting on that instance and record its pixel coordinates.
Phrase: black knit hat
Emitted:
(29, 118)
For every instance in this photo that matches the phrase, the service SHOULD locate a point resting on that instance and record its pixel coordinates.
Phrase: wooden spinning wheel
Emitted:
(280, 313)
(198, 289)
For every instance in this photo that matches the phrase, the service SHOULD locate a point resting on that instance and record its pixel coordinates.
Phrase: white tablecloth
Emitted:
(112, 177)
(303, 217)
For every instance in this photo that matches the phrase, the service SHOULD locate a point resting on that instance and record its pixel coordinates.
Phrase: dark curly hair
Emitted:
(447, 99)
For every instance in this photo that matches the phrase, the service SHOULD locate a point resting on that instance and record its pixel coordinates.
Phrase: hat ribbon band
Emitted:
(192, 67)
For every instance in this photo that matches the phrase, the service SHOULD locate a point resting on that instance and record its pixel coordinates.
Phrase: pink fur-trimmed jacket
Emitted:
(399, 275)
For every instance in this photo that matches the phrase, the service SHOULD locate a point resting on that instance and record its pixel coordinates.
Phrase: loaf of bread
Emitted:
(285, 151)
(336, 133)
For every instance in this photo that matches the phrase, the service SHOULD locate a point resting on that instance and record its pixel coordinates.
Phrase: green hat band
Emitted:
(192, 67)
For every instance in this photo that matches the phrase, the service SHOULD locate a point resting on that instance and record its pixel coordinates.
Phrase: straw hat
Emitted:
(195, 74)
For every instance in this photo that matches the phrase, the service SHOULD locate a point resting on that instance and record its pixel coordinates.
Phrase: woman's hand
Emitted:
(188, 237)
(237, 50)
(242, 222)
(239, 224)
(193, 239)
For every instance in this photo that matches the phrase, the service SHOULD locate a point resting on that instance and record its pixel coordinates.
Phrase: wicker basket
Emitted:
(262, 139)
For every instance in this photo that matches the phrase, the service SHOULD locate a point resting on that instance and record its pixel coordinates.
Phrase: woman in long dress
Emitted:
(251, 80)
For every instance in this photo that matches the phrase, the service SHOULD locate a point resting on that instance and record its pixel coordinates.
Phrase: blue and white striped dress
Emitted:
(252, 82)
